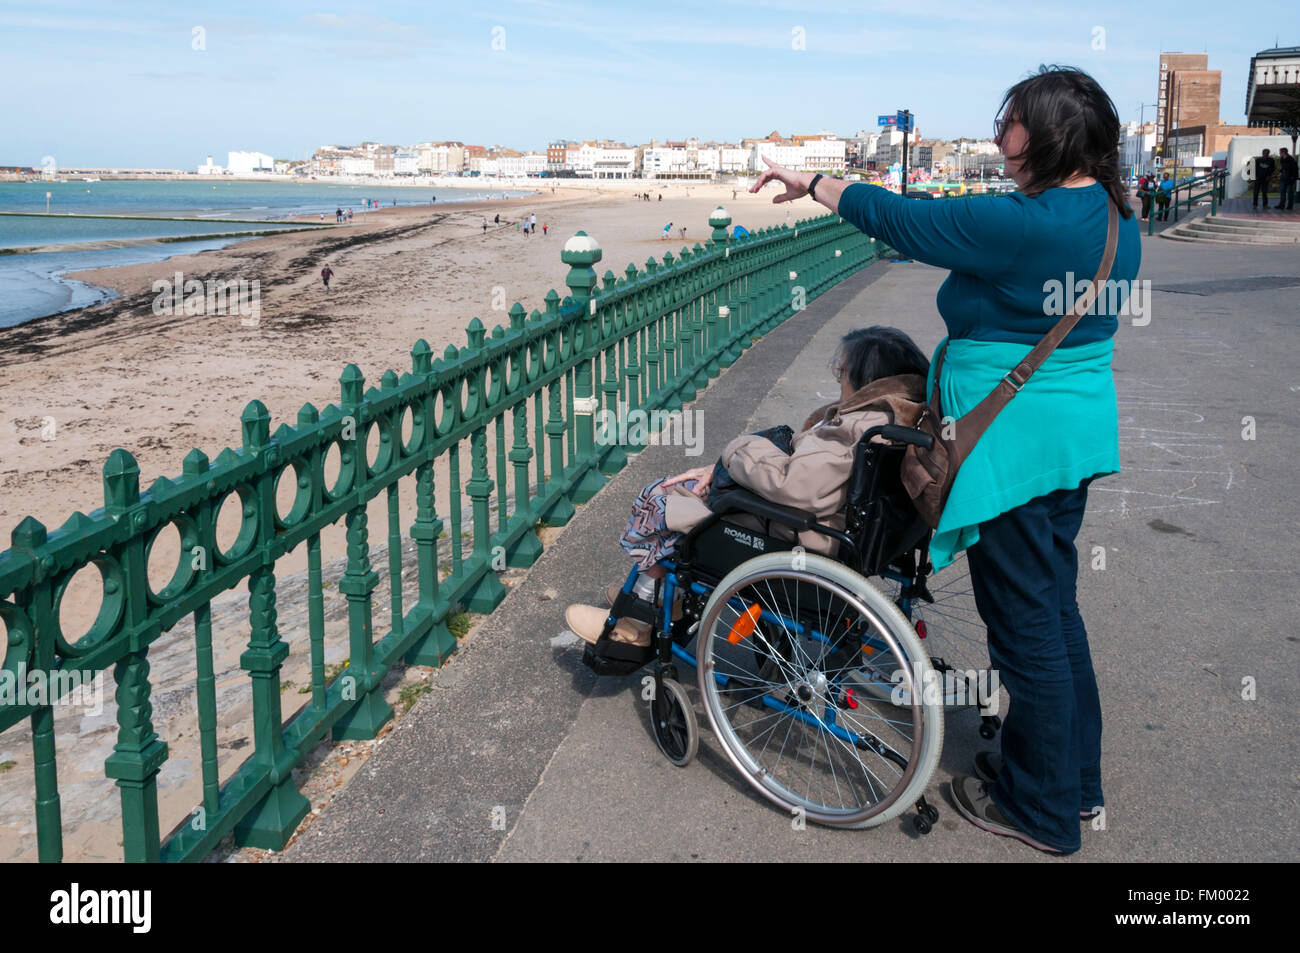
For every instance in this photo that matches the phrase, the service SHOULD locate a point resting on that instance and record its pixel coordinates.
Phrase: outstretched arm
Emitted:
(980, 235)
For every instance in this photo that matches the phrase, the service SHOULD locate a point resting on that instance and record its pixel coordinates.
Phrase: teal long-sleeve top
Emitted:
(1016, 263)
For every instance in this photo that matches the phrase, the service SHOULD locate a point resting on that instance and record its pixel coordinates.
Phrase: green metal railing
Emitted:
(650, 339)
(1212, 185)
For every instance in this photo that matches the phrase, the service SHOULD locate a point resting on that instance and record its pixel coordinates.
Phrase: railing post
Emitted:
(686, 318)
(581, 253)
(361, 680)
(668, 340)
(36, 625)
(205, 687)
(527, 548)
(611, 454)
(560, 509)
(439, 644)
(487, 593)
(653, 372)
(139, 752)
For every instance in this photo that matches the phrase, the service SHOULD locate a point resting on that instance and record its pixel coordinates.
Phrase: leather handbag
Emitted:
(928, 474)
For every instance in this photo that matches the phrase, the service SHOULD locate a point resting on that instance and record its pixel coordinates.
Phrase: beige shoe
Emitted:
(587, 622)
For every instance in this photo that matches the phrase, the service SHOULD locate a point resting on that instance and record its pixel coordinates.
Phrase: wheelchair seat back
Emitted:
(724, 543)
(879, 515)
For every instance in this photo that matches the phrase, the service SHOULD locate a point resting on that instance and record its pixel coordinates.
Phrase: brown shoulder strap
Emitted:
(974, 423)
(1021, 373)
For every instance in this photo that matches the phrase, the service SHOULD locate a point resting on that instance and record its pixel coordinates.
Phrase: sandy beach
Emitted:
(75, 386)
(117, 375)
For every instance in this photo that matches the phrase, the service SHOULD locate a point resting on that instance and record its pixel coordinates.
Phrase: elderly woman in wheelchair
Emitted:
(812, 677)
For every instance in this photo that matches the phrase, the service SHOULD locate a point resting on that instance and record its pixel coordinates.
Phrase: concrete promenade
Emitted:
(1195, 607)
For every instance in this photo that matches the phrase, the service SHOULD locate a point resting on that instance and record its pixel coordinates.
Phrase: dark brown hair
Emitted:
(1073, 126)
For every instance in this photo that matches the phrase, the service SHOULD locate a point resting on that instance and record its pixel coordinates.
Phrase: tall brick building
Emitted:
(1187, 95)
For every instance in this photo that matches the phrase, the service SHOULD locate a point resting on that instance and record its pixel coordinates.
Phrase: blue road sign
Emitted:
(903, 121)
(887, 120)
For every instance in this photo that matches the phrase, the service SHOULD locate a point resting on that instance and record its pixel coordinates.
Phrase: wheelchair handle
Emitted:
(900, 434)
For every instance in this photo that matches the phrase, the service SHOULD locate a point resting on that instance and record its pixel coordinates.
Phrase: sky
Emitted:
(143, 84)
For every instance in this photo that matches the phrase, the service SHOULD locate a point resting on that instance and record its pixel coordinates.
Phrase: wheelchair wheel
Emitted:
(950, 630)
(672, 719)
(782, 652)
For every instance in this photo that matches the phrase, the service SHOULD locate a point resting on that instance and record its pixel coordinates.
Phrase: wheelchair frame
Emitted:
(883, 536)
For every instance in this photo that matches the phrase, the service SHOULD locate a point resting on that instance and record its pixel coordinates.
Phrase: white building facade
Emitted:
(246, 163)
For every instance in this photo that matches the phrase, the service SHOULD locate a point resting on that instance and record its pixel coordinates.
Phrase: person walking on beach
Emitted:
(533, 221)
(667, 230)
(1018, 501)
(496, 219)
(1264, 165)
(544, 228)
(682, 229)
(1288, 174)
(338, 216)
(349, 216)
(325, 275)
(485, 224)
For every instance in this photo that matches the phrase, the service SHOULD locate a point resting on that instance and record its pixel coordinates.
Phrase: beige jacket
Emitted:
(814, 477)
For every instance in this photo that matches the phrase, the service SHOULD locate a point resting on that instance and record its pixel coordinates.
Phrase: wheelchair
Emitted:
(826, 690)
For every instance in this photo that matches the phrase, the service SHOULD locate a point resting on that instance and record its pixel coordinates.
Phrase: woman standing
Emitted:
(1019, 498)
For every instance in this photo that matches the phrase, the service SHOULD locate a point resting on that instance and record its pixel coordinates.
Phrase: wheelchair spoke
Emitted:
(847, 753)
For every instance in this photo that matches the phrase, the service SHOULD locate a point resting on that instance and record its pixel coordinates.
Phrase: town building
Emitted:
(248, 163)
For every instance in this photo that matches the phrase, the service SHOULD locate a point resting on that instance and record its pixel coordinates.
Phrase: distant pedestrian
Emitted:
(661, 196)
(667, 230)
(325, 275)
(1164, 197)
(1144, 192)
(496, 220)
(1288, 174)
(528, 227)
(338, 216)
(485, 224)
(682, 229)
(544, 228)
(1264, 166)
(349, 216)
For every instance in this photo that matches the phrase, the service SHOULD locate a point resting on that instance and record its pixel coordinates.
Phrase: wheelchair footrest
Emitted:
(608, 657)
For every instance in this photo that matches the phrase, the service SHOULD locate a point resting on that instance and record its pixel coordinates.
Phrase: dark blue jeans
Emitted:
(1023, 572)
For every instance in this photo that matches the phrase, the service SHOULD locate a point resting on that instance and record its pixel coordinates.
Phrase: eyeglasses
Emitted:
(838, 372)
(1000, 125)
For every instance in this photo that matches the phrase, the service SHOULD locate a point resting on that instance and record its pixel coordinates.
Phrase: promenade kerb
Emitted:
(648, 340)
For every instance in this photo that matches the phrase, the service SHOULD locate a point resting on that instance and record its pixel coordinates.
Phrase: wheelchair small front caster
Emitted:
(672, 719)
(927, 815)
(989, 725)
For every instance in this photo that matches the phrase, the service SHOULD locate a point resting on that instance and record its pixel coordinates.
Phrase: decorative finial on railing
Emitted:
(352, 385)
(255, 423)
(720, 219)
(475, 334)
(421, 357)
(580, 253)
(121, 482)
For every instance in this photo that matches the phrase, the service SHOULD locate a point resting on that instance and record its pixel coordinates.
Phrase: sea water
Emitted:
(33, 285)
